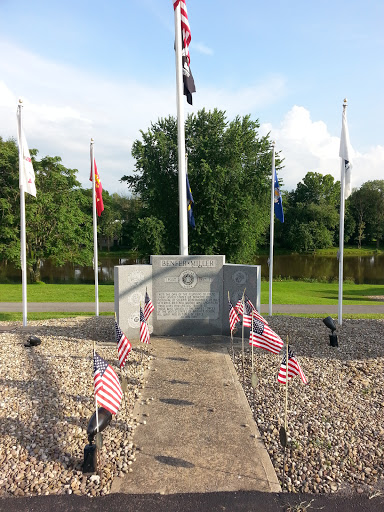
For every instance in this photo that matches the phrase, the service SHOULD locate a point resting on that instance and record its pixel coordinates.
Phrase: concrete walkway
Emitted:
(196, 432)
(108, 307)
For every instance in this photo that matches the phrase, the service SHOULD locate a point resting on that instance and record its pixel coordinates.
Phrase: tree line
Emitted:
(229, 169)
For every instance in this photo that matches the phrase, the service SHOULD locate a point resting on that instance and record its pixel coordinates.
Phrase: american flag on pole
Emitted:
(294, 368)
(233, 317)
(144, 331)
(107, 387)
(148, 306)
(189, 83)
(248, 308)
(261, 335)
(27, 174)
(123, 345)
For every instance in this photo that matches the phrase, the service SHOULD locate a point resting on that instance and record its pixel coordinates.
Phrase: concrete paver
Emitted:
(199, 434)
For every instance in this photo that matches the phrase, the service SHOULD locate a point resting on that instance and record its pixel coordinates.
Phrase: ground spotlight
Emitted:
(329, 322)
(94, 429)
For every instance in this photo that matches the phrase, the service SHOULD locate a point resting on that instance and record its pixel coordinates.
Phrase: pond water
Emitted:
(360, 269)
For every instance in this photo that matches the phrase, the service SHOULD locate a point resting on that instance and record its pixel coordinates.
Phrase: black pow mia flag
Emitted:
(189, 83)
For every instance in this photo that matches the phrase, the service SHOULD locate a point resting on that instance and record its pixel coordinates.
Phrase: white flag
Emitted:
(345, 154)
(26, 174)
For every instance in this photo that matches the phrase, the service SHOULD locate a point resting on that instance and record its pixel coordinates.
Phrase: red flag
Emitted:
(98, 191)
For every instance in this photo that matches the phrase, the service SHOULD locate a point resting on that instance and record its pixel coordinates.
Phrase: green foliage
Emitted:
(229, 171)
(57, 223)
(150, 236)
(311, 214)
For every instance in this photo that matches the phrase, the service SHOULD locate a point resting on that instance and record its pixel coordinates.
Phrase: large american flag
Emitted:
(107, 387)
(123, 345)
(185, 28)
(261, 335)
(294, 368)
(148, 306)
(144, 331)
(233, 317)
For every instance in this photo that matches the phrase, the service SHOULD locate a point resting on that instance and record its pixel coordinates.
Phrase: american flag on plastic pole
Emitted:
(233, 317)
(148, 306)
(144, 331)
(123, 345)
(262, 336)
(256, 314)
(294, 368)
(107, 386)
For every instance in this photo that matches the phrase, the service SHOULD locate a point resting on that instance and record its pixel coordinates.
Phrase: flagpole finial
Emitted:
(345, 103)
(273, 143)
(92, 140)
(20, 101)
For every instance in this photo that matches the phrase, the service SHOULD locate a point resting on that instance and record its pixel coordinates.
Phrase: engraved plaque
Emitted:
(188, 305)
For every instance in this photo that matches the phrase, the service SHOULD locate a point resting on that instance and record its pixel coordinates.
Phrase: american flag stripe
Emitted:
(185, 28)
(148, 307)
(263, 336)
(107, 387)
(144, 331)
(233, 318)
(123, 345)
(294, 368)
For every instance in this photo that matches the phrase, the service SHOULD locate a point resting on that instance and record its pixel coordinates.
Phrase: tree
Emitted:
(311, 214)
(367, 208)
(229, 170)
(58, 223)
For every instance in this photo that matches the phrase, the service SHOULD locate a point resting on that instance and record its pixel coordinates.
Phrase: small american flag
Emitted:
(144, 332)
(123, 345)
(256, 314)
(148, 306)
(233, 317)
(247, 315)
(239, 306)
(293, 368)
(263, 336)
(108, 391)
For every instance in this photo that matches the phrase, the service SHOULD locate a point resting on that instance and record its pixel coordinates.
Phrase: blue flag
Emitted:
(190, 203)
(278, 203)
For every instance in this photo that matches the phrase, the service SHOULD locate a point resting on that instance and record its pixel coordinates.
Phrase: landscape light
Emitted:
(94, 429)
(329, 322)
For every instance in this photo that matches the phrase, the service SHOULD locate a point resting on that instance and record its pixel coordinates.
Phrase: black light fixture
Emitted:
(94, 428)
(329, 322)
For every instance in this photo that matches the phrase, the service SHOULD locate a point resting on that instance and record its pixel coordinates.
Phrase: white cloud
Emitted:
(307, 146)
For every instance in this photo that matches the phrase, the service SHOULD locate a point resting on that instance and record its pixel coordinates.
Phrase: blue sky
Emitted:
(106, 70)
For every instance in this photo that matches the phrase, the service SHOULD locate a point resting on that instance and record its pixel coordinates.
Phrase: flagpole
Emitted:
(272, 225)
(286, 391)
(95, 256)
(23, 241)
(341, 234)
(183, 221)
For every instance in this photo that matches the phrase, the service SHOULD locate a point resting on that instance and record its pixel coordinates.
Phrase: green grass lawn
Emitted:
(283, 292)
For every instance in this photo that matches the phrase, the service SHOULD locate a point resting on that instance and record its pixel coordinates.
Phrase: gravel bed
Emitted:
(336, 422)
(46, 402)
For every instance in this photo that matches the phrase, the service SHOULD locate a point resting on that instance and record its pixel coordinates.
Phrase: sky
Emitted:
(106, 70)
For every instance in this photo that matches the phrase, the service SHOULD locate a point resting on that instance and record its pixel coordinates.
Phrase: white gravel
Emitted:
(46, 401)
(335, 422)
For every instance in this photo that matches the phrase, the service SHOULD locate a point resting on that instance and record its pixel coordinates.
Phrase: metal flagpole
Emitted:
(95, 256)
(183, 220)
(341, 234)
(23, 242)
(271, 235)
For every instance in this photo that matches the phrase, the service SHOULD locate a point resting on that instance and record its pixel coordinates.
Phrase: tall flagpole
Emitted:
(95, 257)
(271, 235)
(341, 233)
(23, 242)
(183, 220)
